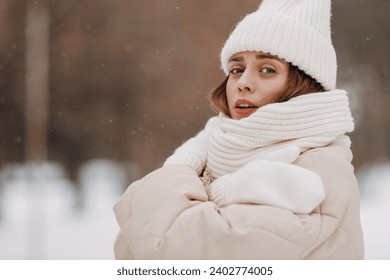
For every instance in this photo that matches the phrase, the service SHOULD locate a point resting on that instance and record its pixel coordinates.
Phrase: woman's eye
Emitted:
(267, 70)
(236, 71)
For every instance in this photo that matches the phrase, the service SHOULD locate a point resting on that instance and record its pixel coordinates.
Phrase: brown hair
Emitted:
(298, 83)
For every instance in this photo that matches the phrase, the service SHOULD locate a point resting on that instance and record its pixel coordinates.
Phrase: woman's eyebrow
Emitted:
(268, 56)
(236, 59)
(258, 56)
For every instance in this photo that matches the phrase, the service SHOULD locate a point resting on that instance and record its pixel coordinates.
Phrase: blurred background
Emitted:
(94, 94)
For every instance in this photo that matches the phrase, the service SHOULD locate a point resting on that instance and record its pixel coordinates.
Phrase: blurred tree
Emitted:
(37, 81)
(12, 74)
(361, 36)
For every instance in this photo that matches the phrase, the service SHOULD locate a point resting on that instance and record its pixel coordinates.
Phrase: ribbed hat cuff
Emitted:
(287, 38)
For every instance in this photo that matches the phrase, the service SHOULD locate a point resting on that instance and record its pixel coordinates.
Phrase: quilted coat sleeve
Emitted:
(167, 215)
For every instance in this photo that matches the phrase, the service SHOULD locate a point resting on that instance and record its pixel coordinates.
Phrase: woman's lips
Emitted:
(244, 108)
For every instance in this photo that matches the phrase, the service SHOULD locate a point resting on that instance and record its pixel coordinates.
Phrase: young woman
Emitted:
(271, 176)
(249, 171)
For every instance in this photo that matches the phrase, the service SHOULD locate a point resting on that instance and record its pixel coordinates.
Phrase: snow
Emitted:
(41, 220)
(374, 182)
(41, 217)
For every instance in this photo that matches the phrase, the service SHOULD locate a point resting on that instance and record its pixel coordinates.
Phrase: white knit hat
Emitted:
(295, 30)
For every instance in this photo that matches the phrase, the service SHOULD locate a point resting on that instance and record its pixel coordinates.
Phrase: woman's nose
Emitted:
(245, 82)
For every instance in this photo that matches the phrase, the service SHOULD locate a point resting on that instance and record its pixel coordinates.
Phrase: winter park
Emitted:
(95, 95)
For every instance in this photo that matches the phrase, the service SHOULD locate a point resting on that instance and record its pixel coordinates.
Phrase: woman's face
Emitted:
(255, 79)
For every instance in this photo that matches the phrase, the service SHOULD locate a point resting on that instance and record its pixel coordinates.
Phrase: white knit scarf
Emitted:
(307, 121)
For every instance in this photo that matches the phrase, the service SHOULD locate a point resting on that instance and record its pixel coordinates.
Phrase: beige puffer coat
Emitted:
(167, 215)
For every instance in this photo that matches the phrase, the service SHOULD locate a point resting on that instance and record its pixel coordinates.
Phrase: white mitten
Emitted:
(194, 151)
(272, 183)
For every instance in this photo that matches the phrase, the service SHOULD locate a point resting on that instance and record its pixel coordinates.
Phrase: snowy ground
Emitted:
(41, 220)
(375, 210)
(39, 217)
